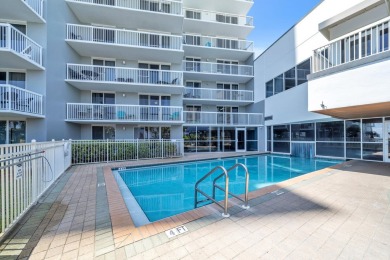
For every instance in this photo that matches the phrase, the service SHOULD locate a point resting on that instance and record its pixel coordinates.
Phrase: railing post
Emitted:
(137, 150)
(107, 150)
(8, 35)
(34, 171)
(162, 148)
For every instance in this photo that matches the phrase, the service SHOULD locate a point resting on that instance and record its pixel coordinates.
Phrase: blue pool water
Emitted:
(166, 190)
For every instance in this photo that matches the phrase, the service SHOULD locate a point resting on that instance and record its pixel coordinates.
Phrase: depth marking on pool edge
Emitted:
(176, 231)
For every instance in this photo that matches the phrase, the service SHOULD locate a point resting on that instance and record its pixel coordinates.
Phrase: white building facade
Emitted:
(325, 83)
(129, 69)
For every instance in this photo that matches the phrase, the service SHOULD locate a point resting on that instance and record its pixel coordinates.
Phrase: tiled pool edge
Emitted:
(126, 233)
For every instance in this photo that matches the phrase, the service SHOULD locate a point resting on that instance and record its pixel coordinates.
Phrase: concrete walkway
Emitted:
(341, 213)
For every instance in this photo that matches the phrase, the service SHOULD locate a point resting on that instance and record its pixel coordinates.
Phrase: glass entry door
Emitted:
(386, 138)
(240, 140)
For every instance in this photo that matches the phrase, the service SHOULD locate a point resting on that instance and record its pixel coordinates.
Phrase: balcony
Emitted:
(128, 114)
(353, 49)
(91, 41)
(90, 77)
(215, 96)
(216, 47)
(22, 10)
(18, 51)
(210, 23)
(17, 102)
(208, 71)
(131, 13)
(222, 119)
(228, 6)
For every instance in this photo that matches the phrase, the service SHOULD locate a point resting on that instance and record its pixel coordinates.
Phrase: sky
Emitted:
(272, 18)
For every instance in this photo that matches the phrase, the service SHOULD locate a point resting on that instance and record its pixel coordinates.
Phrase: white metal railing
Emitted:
(210, 16)
(13, 39)
(128, 113)
(124, 75)
(123, 37)
(217, 42)
(218, 94)
(173, 7)
(20, 100)
(93, 151)
(27, 171)
(364, 43)
(217, 68)
(36, 5)
(222, 118)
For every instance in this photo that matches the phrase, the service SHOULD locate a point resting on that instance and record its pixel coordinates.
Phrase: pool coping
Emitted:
(125, 232)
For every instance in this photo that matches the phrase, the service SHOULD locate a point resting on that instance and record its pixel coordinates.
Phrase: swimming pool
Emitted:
(155, 192)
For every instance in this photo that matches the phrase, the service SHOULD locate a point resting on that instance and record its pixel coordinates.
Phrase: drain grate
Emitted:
(278, 192)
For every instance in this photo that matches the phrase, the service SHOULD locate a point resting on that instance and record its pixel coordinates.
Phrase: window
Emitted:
(227, 43)
(150, 107)
(103, 35)
(154, 73)
(289, 79)
(226, 19)
(193, 114)
(103, 98)
(281, 138)
(303, 69)
(148, 132)
(20, 27)
(269, 88)
(193, 15)
(227, 91)
(227, 67)
(103, 132)
(17, 79)
(12, 132)
(192, 40)
(330, 139)
(278, 84)
(192, 89)
(193, 64)
(302, 132)
(103, 70)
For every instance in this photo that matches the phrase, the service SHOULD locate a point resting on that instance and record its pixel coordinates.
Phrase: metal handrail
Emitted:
(225, 206)
(246, 205)
(226, 189)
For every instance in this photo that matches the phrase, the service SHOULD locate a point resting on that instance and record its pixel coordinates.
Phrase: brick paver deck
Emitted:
(343, 212)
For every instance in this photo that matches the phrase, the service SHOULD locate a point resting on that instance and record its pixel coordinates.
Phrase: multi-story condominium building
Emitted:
(325, 83)
(22, 70)
(131, 69)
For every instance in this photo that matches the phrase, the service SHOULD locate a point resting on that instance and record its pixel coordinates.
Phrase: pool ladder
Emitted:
(225, 190)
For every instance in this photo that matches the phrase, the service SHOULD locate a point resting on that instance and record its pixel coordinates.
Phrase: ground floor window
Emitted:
(350, 139)
(103, 132)
(152, 132)
(219, 139)
(12, 132)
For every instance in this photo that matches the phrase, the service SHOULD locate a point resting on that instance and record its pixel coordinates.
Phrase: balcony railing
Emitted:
(216, 42)
(370, 41)
(124, 75)
(13, 39)
(217, 68)
(160, 6)
(209, 16)
(123, 37)
(222, 118)
(218, 94)
(127, 113)
(20, 100)
(36, 5)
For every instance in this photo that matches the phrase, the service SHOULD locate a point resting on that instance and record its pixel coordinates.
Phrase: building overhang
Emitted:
(325, 26)
(361, 111)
